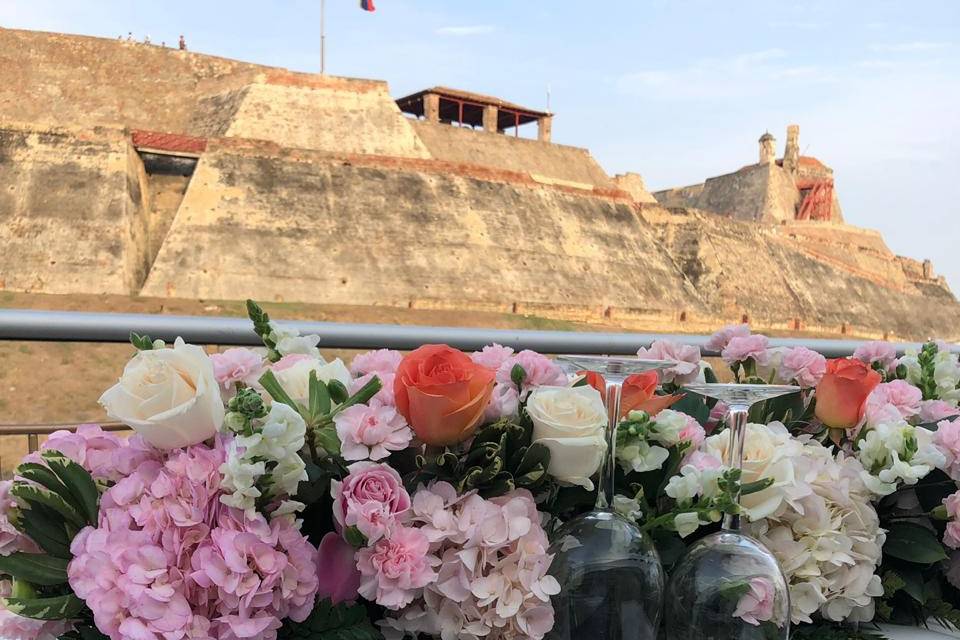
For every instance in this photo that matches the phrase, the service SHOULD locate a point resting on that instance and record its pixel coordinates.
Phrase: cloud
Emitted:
(795, 24)
(909, 47)
(468, 30)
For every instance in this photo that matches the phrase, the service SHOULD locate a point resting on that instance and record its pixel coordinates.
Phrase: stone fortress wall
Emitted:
(260, 182)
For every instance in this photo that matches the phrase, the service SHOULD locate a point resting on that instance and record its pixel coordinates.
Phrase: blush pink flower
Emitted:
(539, 371)
(236, 365)
(947, 440)
(693, 433)
(14, 627)
(89, 446)
(385, 395)
(371, 431)
(892, 401)
(743, 348)
(288, 361)
(504, 402)
(394, 569)
(11, 540)
(936, 410)
(686, 359)
(380, 362)
(719, 340)
(337, 571)
(883, 353)
(702, 461)
(756, 605)
(717, 414)
(370, 498)
(492, 356)
(951, 536)
(804, 365)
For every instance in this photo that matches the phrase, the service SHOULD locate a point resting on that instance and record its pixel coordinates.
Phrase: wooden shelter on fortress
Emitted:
(463, 108)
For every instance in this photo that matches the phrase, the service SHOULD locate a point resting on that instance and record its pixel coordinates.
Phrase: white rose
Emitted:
(295, 379)
(169, 396)
(571, 422)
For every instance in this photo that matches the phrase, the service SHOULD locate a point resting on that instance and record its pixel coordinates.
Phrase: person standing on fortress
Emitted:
(183, 44)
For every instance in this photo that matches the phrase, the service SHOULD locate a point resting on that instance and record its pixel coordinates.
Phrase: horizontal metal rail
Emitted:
(77, 326)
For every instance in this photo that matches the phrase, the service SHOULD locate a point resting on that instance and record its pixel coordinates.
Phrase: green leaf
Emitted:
(331, 622)
(141, 342)
(517, 375)
(913, 543)
(272, 386)
(47, 529)
(42, 475)
(327, 438)
(78, 482)
(338, 392)
(36, 568)
(55, 608)
(35, 494)
(354, 537)
(363, 395)
(319, 398)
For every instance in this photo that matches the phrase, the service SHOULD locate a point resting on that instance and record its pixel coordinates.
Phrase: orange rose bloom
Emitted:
(639, 392)
(842, 393)
(442, 393)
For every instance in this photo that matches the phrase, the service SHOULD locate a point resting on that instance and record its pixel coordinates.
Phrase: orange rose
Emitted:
(639, 392)
(442, 393)
(842, 393)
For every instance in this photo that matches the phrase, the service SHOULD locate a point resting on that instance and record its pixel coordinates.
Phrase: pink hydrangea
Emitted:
(14, 627)
(742, 348)
(380, 362)
(756, 605)
(89, 446)
(337, 571)
(236, 365)
(539, 371)
(11, 540)
(719, 341)
(893, 401)
(492, 356)
(936, 410)
(371, 498)
(804, 365)
(686, 359)
(393, 569)
(385, 395)
(883, 353)
(371, 431)
(947, 440)
(951, 536)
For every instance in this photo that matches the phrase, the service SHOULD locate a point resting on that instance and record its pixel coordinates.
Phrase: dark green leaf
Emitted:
(319, 396)
(338, 392)
(517, 375)
(36, 568)
(913, 543)
(54, 608)
(141, 342)
(36, 494)
(272, 386)
(47, 529)
(331, 622)
(78, 482)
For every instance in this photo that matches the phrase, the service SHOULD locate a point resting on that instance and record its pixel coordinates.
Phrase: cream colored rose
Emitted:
(295, 379)
(168, 396)
(571, 422)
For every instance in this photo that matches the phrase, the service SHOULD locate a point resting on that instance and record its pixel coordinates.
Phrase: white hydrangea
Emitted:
(289, 341)
(897, 452)
(829, 542)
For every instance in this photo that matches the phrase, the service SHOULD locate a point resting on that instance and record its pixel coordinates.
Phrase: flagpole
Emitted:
(323, 38)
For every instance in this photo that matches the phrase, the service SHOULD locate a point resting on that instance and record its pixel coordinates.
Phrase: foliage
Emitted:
(331, 622)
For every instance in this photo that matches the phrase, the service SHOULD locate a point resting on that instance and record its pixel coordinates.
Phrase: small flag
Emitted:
(367, 5)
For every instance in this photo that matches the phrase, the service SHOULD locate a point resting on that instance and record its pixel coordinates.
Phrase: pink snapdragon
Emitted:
(371, 431)
(686, 359)
(371, 498)
(756, 605)
(743, 348)
(883, 353)
(236, 365)
(891, 401)
(337, 571)
(805, 366)
(394, 569)
(14, 627)
(947, 440)
(719, 340)
(379, 362)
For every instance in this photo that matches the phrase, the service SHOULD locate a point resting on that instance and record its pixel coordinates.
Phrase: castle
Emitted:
(140, 170)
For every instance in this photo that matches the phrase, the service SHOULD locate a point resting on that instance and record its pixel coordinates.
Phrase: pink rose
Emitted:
(756, 605)
(893, 401)
(371, 431)
(876, 351)
(803, 365)
(337, 570)
(394, 569)
(719, 341)
(947, 440)
(742, 348)
(236, 365)
(380, 362)
(492, 356)
(686, 359)
(370, 498)
(936, 410)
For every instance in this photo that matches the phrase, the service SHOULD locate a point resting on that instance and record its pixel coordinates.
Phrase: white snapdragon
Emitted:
(641, 456)
(897, 452)
(693, 481)
(627, 507)
(289, 341)
(687, 522)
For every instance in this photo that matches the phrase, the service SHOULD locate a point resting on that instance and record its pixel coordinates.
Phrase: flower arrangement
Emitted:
(269, 493)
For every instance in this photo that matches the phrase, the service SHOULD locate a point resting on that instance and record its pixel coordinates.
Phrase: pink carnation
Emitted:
(380, 362)
(892, 401)
(14, 627)
(504, 402)
(805, 366)
(539, 371)
(236, 365)
(395, 568)
(371, 431)
(337, 569)
(877, 352)
(370, 498)
(756, 605)
(947, 440)
(719, 341)
(492, 356)
(693, 433)
(385, 395)
(936, 410)
(685, 357)
(742, 348)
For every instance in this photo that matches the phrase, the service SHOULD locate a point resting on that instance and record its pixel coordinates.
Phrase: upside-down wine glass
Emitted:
(609, 571)
(729, 586)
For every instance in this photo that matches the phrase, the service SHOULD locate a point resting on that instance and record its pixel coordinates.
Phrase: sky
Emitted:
(674, 90)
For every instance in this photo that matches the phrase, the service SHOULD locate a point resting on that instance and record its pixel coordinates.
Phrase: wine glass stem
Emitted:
(737, 421)
(608, 464)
